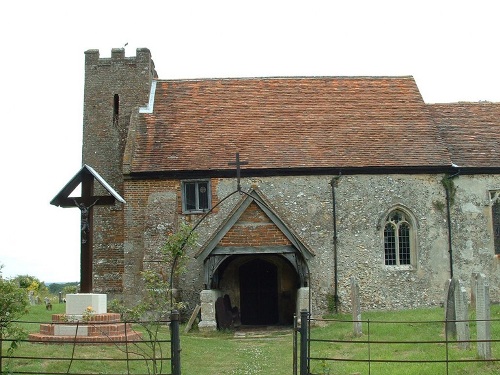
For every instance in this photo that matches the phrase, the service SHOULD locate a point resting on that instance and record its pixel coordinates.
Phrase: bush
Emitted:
(13, 305)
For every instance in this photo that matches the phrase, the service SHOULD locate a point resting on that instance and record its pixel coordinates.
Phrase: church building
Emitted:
(295, 185)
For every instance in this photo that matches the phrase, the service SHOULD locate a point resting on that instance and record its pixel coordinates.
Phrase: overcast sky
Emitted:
(450, 47)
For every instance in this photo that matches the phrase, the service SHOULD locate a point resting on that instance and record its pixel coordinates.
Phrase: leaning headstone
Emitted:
(473, 288)
(450, 314)
(482, 293)
(356, 308)
(462, 317)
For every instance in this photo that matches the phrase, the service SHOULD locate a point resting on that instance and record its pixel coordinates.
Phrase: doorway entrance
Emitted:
(259, 293)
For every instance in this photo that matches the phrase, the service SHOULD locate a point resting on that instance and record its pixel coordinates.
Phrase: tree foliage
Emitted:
(64, 288)
(152, 313)
(13, 305)
(32, 284)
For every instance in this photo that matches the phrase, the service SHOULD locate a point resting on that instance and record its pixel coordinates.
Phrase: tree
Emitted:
(13, 305)
(153, 311)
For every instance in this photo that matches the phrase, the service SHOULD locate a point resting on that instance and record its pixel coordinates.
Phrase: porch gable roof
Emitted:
(254, 195)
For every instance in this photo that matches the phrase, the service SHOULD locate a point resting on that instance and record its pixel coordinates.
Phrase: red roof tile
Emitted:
(471, 132)
(285, 123)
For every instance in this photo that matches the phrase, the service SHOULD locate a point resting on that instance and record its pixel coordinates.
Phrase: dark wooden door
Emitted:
(259, 293)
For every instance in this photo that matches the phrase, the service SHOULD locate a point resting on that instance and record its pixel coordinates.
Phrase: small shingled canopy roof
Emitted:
(62, 198)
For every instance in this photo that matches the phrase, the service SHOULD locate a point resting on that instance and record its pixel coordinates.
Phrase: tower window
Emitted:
(116, 108)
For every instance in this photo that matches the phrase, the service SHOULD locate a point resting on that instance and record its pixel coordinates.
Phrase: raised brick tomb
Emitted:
(94, 327)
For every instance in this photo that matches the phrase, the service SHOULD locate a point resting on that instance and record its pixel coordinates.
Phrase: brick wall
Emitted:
(254, 228)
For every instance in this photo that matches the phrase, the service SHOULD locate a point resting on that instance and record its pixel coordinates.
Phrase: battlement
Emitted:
(143, 55)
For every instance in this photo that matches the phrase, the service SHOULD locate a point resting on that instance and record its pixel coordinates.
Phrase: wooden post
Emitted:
(86, 253)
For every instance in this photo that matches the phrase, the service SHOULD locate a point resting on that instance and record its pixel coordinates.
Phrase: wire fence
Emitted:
(383, 347)
(136, 348)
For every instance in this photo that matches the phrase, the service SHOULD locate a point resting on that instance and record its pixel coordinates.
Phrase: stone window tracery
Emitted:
(398, 239)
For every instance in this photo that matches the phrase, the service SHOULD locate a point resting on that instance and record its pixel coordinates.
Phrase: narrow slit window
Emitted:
(116, 108)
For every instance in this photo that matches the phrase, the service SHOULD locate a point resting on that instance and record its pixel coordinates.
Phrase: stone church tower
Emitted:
(114, 89)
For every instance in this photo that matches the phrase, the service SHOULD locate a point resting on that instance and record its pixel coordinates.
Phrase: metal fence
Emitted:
(157, 351)
(318, 355)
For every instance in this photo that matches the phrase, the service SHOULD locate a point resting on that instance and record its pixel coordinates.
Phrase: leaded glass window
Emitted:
(397, 239)
(496, 226)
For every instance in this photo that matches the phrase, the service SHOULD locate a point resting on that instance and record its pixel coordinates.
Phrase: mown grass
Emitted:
(224, 353)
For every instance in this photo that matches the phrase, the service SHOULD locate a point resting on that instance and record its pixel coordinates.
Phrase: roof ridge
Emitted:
(251, 78)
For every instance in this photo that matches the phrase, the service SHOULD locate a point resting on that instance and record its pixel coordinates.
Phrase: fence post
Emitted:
(175, 345)
(304, 335)
(294, 342)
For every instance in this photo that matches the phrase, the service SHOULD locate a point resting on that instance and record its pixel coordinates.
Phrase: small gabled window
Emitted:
(195, 196)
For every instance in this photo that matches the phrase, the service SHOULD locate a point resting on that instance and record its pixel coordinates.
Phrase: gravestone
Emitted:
(31, 298)
(223, 315)
(483, 324)
(302, 301)
(449, 308)
(462, 317)
(356, 308)
(473, 288)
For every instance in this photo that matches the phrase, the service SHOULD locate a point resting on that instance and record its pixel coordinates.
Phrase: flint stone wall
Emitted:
(362, 205)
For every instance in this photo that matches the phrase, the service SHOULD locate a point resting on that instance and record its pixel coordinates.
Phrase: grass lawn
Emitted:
(224, 353)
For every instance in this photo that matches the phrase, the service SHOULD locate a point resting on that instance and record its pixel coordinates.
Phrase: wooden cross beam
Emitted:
(238, 164)
(86, 177)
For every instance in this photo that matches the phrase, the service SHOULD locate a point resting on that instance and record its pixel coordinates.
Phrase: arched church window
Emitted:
(398, 239)
(495, 216)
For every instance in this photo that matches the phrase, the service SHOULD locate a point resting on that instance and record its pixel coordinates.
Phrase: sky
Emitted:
(449, 47)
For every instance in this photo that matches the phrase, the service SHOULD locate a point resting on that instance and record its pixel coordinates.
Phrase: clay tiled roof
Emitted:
(286, 123)
(471, 131)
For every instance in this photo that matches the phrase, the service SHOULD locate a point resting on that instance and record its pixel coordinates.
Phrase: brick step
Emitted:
(53, 339)
(97, 328)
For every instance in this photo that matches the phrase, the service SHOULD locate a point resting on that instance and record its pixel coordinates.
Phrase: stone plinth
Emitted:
(208, 319)
(76, 304)
(85, 321)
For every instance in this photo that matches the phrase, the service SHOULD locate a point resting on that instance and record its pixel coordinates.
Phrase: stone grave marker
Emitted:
(473, 287)
(449, 308)
(462, 316)
(356, 308)
(483, 324)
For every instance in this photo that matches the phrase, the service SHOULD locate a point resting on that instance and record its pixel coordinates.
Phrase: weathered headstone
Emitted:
(449, 309)
(473, 288)
(482, 293)
(356, 308)
(302, 301)
(462, 317)
(223, 315)
(31, 298)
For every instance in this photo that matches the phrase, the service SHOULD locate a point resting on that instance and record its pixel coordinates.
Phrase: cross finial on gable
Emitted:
(238, 164)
